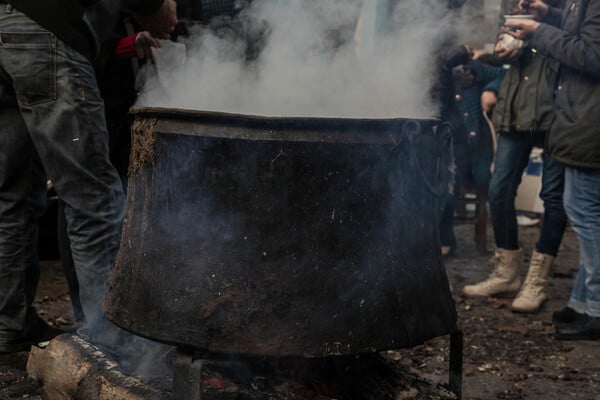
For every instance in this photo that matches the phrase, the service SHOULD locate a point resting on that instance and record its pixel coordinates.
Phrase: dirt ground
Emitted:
(509, 355)
(506, 355)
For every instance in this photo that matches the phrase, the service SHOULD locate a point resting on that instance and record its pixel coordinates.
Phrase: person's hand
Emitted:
(537, 8)
(521, 30)
(470, 51)
(505, 54)
(488, 101)
(162, 22)
(144, 43)
(477, 53)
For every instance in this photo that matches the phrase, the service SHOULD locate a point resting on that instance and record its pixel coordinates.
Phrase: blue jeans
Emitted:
(52, 124)
(582, 202)
(512, 157)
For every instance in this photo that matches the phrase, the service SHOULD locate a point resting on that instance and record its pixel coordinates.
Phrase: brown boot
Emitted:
(504, 278)
(531, 296)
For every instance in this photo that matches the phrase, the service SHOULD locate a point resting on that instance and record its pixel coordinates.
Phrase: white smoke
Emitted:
(304, 69)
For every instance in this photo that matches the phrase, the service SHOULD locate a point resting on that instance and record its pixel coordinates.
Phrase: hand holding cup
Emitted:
(520, 28)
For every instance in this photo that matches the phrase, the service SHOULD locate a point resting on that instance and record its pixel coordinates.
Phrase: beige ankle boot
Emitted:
(504, 278)
(531, 296)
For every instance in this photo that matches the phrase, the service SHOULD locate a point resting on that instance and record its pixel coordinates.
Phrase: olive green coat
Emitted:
(525, 95)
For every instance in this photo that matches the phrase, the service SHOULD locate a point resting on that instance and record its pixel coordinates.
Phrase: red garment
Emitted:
(126, 47)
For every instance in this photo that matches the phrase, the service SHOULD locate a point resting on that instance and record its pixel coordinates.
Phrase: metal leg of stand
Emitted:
(187, 377)
(456, 362)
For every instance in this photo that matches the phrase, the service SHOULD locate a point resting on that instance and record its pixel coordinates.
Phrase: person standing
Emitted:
(463, 81)
(522, 118)
(574, 140)
(52, 123)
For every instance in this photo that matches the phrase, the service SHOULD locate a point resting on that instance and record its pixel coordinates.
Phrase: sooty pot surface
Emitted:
(283, 236)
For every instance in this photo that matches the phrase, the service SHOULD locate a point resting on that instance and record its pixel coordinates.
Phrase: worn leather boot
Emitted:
(532, 295)
(504, 278)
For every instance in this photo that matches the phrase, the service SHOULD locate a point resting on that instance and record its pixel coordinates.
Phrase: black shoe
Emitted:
(565, 315)
(583, 328)
(39, 332)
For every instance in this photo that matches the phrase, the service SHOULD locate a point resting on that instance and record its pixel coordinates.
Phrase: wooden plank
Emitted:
(71, 369)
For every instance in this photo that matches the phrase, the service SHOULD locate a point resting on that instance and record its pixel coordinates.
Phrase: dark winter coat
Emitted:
(82, 24)
(574, 136)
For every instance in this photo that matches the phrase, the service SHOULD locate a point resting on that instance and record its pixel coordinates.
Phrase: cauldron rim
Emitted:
(297, 129)
(185, 113)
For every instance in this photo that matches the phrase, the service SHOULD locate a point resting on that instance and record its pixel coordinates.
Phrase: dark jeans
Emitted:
(472, 158)
(52, 124)
(512, 157)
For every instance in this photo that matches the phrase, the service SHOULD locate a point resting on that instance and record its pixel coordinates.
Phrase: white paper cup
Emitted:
(517, 17)
(510, 43)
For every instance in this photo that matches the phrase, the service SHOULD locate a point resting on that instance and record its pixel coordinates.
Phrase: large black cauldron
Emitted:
(283, 236)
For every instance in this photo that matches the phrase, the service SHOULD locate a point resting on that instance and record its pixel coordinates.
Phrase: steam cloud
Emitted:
(310, 63)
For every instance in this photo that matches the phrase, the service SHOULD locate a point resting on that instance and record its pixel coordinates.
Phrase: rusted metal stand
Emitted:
(456, 362)
(187, 376)
(202, 376)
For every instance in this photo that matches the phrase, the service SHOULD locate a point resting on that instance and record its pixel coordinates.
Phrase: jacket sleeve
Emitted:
(494, 85)
(555, 13)
(143, 7)
(578, 51)
(485, 73)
